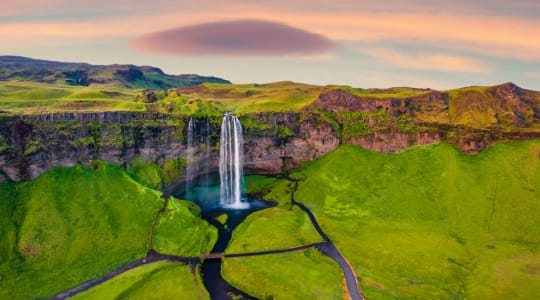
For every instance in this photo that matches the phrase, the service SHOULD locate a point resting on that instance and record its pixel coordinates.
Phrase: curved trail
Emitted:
(151, 256)
(292, 249)
(330, 250)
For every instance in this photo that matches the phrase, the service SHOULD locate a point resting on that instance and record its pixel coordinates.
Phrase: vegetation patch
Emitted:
(297, 275)
(271, 229)
(271, 189)
(180, 231)
(160, 280)
(156, 175)
(75, 224)
(432, 222)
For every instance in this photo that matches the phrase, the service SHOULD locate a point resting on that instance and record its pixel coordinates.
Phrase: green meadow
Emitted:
(427, 223)
(34, 98)
(160, 280)
(271, 229)
(306, 274)
(180, 230)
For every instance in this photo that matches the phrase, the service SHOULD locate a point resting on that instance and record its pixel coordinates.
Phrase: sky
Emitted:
(420, 43)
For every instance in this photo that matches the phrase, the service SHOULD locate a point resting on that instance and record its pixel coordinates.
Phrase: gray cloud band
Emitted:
(234, 38)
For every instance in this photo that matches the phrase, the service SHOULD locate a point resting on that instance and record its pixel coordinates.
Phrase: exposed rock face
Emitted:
(33, 144)
(267, 152)
(36, 143)
(393, 141)
(471, 120)
(431, 102)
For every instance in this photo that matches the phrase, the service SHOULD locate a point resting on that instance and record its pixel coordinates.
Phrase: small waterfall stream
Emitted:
(190, 159)
(207, 161)
(231, 163)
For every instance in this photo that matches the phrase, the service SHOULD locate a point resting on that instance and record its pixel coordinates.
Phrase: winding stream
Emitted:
(208, 199)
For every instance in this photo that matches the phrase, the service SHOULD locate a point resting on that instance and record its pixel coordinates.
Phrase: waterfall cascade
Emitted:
(207, 161)
(231, 163)
(190, 159)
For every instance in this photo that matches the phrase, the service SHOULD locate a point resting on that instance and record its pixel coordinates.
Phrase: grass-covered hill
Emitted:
(505, 107)
(82, 74)
(29, 86)
(72, 225)
(428, 223)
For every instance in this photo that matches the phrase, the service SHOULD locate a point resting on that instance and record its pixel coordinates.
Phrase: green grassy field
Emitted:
(395, 92)
(273, 228)
(160, 280)
(429, 222)
(432, 222)
(296, 275)
(32, 98)
(475, 107)
(74, 224)
(271, 189)
(249, 98)
(181, 231)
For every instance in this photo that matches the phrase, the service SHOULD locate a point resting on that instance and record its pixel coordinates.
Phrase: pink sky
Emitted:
(435, 42)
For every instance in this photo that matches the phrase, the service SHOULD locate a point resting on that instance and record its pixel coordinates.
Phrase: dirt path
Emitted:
(329, 249)
(150, 257)
(292, 249)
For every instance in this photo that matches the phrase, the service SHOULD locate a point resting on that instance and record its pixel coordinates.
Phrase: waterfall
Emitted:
(190, 159)
(207, 160)
(231, 163)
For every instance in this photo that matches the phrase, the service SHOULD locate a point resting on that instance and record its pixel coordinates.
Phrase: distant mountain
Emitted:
(83, 74)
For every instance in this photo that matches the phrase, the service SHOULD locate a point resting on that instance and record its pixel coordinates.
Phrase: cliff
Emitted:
(153, 144)
(31, 144)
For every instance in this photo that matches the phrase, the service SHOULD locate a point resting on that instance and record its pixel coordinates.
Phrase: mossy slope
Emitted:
(431, 222)
(71, 225)
(161, 280)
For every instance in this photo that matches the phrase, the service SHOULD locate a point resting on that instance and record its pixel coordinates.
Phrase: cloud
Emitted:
(427, 61)
(234, 38)
(492, 35)
(529, 8)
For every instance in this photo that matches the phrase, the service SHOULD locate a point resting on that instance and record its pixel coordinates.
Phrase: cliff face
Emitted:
(285, 140)
(33, 144)
(467, 118)
(470, 118)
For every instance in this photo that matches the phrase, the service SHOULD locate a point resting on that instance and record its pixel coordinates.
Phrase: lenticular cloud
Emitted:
(234, 38)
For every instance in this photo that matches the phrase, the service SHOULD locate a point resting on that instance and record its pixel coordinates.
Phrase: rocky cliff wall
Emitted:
(31, 144)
